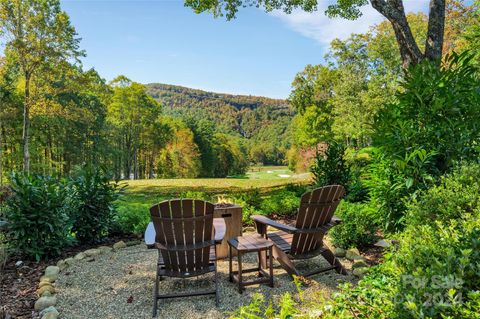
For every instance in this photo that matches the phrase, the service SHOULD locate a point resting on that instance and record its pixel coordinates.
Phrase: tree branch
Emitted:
(394, 11)
(436, 30)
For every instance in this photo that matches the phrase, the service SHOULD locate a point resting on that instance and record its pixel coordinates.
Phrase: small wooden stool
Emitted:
(247, 244)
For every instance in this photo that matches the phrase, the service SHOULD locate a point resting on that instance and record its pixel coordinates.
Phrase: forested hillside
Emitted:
(262, 121)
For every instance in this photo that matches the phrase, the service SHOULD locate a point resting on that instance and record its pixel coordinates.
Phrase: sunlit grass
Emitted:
(149, 191)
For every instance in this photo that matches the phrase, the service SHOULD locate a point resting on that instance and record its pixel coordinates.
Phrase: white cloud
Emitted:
(322, 29)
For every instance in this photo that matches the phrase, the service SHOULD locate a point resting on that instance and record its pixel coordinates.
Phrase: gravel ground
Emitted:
(120, 285)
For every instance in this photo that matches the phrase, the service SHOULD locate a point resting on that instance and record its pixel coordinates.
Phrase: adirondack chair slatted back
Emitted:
(316, 209)
(184, 229)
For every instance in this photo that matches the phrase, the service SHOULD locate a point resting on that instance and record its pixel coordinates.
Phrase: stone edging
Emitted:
(359, 266)
(47, 300)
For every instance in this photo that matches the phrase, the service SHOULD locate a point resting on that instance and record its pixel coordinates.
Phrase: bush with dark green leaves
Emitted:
(282, 203)
(93, 204)
(432, 124)
(131, 218)
(435, 271)
(331, 168)
(37, 216)
(358, 227)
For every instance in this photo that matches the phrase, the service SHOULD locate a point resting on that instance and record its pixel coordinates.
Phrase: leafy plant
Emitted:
(434, 273)
(132, 218)
(283, 203)
(38, 222)
(358, 227)
(392, 182)
(93, 204)
(435, 110)
(331, 168)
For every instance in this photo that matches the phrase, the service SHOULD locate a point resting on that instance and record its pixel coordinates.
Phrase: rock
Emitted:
(121, 244)
(70, 261)
(339, 252)
(44, 283)
(383, 243)
(19, 263)
(45, 288)
(360, 272)
(92, 252)
(79, 256)
(359, 264)
(133, 243)
(50, 315)
(48, 310)
(46, 279)
(104, 249)
(46, 294)
(353, 254)
(52, 272)
(62, 264)
(45, 302)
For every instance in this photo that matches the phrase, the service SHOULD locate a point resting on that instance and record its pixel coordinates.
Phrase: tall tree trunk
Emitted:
(436, 30)
(394, 11)
(26, 125)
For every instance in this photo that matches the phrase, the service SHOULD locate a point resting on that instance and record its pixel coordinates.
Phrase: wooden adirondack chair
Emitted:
(186, 246)
(305, 239)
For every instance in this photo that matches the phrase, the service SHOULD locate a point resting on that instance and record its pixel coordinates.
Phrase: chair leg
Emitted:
(155, 294)
(284, 261)
(330, 257)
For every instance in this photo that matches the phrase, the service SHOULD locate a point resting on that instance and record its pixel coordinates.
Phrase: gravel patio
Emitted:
(120, 285)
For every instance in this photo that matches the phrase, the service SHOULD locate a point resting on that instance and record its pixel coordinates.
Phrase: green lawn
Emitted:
(149, 191)
(141, 194)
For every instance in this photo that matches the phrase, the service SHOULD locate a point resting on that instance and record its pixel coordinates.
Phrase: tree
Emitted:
(39, 35)
(133, 114)
(393, 10)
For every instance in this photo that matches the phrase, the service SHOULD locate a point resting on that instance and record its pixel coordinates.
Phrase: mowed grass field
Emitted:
(266, 178)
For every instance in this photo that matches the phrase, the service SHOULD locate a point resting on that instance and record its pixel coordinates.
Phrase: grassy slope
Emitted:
(265, 179)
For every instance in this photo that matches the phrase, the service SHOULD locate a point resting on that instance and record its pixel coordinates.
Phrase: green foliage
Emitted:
(392, 183)
(436, 110)
(434, 271)
(358, 227)
(282, 203)
(331, 168)
(259, 309)
(37, 215)
(256, 126)
(92, 205)
(131, 219)
(432, 125)
(455, 196)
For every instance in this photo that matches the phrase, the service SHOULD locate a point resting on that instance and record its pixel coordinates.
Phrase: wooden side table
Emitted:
(247, 244)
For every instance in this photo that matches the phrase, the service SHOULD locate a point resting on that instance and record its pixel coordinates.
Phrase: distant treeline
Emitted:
(77, 118)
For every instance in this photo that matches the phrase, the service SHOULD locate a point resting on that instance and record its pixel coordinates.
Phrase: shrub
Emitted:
(358, 227)
(283, 203)
(435, 271)
(196, 195)
(38, 223)
(331, 168)
(436, 110)
(393, 183)
(132, 218)
(357, 161)
(93, 204)
(455, 196)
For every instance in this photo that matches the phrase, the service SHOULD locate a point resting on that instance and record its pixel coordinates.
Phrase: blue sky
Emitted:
(163, 41)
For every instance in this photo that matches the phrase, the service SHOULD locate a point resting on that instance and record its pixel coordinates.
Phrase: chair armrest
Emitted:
(220, 229)
(268, 222)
